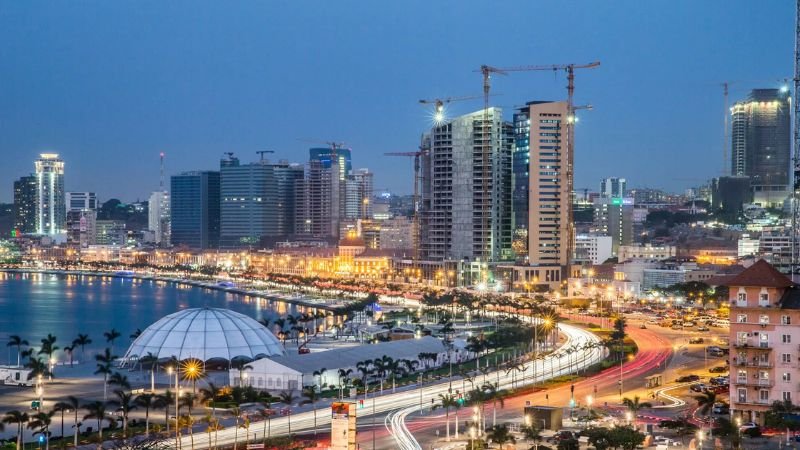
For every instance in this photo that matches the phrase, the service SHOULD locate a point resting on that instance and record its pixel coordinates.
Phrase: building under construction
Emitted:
(465, 210)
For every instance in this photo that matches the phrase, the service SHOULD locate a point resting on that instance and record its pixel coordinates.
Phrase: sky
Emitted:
(110, 85)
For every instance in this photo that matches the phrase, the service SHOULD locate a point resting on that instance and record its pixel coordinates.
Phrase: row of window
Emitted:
(763, 319)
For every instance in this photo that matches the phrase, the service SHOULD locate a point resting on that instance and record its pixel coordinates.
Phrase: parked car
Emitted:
(698, 387)
(643, 326)
(721, 408)
(718, 369)
(702, 328)
(748, 426)
(696, 340)
(561, 435)
(687, 378)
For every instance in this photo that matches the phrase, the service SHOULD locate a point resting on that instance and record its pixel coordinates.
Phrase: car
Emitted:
(677, 327)
(718, 369)
(702, 328)
(643, 326)
(698, 387)
(688, 378)
(696, 340)
(721, 409)
(748, 426)
(561, 435)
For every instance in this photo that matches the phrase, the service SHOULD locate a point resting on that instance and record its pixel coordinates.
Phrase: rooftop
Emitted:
(761, 274)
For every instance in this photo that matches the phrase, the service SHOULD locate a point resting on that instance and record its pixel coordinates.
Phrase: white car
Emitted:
(665, 441)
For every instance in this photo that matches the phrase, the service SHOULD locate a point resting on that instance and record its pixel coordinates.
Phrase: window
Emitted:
(786, 338)
(763, 319)
(786, 358)
(742, 395)
(742, 297)
(787, 396)
(786, 320)
(741, 318)
(763, 395)
(786, 376)
(763, 298)
(742, 376)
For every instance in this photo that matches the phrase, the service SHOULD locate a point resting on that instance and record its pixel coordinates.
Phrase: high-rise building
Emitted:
(195, 209)
(343, 158)
(51, 213)
(77, 201)
(320, 202)
(257, 201)
(550, 234)
(612, 187)
(110, 232)
(465, 210)
(614, 217)
(158, 215)
(25, 190)
(761, 143)
(359, 195)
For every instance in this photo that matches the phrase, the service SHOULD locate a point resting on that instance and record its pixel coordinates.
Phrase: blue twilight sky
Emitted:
(110, 84)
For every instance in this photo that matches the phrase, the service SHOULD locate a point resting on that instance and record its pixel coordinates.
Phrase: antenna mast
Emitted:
(161, 182)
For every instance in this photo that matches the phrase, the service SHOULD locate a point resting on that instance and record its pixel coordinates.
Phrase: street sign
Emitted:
(35, 404)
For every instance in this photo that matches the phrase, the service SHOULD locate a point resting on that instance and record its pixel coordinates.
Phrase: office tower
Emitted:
(158, 218)
(465, 207)
(195, 209)
(77, 201)
(550, 234)
(50, 203)
(110, 232)
(25, 190)
(343, 158)
(612, 187)
(760, 143)
(359, 195)
(614, 217)
(319, 203)
(257, 201)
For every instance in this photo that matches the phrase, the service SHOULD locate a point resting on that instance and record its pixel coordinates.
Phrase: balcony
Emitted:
(753, 382)
(764, 403)
(762, 364)
(753, 345)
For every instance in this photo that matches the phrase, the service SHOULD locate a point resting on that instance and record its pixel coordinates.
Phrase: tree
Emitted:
(112, 336)
(118, 379)
(20, 419)
(635, 405)
(48, 347)
(41, 423)
(209, 394)
(70, 349)
(599, 437)
(237, 414)
(500, 435)
(62, 407)
(82, 341)
(627, 437)
(446, 401)
(165, 400)
(494, 394)
(318, 374)
(98, 410)
(726, 429)
(288, 398)
(16, 341)
(705, 402)
(125, 403)
(148, 402)
(105, 361)
(187, 401)
(212, 424)
(311, 397)
(241, 365)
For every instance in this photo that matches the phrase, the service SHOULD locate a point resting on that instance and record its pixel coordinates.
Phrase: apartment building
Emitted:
(765, 338)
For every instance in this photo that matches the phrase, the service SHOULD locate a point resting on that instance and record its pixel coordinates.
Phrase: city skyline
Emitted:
(195, 86)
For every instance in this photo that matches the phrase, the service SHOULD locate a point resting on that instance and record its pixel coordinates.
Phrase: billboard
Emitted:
(343, 426)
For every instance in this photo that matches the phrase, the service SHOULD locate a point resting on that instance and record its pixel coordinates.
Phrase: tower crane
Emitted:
(438, 105)
(415, 219)
(262, 152)
(796, 146)
(486, 71)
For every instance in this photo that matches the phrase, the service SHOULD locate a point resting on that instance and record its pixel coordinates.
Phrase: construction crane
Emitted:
(415, 219)
(796, 144)
(262, 152)
(438, 105)
(486, 71)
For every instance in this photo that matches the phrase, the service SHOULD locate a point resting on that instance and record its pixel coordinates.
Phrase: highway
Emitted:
(580, 349)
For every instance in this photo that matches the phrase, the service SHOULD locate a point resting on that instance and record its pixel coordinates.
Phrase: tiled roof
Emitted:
(763, 274)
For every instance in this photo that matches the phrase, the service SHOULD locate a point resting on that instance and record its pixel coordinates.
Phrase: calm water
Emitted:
(33, 305)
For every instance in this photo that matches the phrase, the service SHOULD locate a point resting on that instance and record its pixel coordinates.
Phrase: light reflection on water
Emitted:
(33, 305)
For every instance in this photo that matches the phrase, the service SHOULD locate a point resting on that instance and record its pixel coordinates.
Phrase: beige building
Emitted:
(648, 251)
(764, 337)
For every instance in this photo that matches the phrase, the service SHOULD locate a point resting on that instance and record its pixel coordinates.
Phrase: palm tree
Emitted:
(495, 395)
(446, 401)
(267, 413)
(70, 404)
(118, 379)
(209, 395)
(500, 435)
(48, 348)
(706, 401)
(41, 423)
(16, 341)
(212, 424)
(635, 405)
(311, 396)
(20, 418)
(148, 402)
(288, 398)
(97, 410)
(112, 336)
(151, 360)
(70, 349)
(63, 407)
(318, 374)
(105, 361)
(344, 378)
(237, 414)
(241, 365)
(165, 400)
(125, 403)
(188, 401)
(136, 334)
(82, 341)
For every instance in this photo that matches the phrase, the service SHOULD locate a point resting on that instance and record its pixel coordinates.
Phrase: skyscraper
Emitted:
(50, 202)
(550, 234)
(158, 215)
(25, 190)
(458, 219)
(257, 201)
(612, 187)
(81, 201)
(761, 143)
(195, 209)
(319, 204)
(81, 218)
(359, 195)
(343, 156)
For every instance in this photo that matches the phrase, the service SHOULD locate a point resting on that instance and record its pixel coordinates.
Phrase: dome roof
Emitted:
(205, 334)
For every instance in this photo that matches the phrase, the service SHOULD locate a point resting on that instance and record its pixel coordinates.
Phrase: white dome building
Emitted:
(205, 334)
